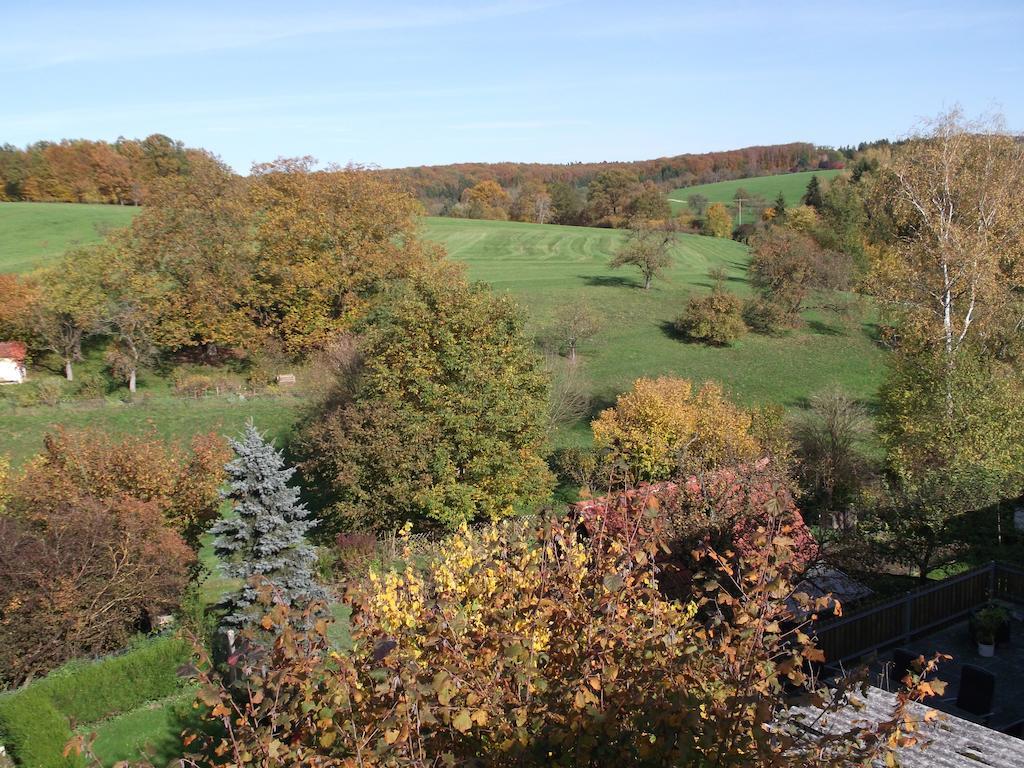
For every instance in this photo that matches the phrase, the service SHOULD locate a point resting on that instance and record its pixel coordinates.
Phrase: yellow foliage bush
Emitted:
(662, 426)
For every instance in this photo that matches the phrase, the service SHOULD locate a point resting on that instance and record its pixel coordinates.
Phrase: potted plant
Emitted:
(988, 622)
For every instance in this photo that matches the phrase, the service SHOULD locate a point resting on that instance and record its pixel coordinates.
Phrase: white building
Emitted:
(12, 362)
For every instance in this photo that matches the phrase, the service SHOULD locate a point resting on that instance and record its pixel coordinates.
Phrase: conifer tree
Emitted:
(780, 207)
(264, 542)
(813, 196)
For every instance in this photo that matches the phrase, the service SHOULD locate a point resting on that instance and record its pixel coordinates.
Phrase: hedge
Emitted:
(34, 731)
(35, 721)
(90, 691)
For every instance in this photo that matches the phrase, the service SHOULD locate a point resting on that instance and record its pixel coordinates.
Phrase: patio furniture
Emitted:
(977, 691)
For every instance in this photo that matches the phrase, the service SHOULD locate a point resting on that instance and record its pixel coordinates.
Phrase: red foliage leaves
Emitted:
(723, 508)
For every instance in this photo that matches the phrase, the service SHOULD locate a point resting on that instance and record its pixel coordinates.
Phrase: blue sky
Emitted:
(397, 84)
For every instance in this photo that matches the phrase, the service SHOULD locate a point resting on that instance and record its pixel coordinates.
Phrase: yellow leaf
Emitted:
(462, 722)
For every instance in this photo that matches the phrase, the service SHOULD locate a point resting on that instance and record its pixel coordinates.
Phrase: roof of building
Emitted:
(952, 742)
(13, 350)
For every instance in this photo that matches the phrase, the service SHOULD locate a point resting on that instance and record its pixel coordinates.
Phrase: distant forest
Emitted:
(84, 171)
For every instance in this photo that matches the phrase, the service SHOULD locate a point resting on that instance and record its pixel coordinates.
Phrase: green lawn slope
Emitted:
(37, 234)
(791, 185)
(542, 267)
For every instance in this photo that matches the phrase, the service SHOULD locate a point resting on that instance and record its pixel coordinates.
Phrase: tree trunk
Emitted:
(572, 353)
(69, 374)
(647, 282)
(131, 381)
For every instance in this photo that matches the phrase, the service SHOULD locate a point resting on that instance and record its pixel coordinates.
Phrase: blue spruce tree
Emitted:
(264, 542)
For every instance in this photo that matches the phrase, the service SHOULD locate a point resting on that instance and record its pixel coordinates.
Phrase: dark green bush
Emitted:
(713, 319)
(34, 731)
(90, 691)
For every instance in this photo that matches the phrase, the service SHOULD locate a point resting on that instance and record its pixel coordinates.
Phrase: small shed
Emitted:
(12, 362)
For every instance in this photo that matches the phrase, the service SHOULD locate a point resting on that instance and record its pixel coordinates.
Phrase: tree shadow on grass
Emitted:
(610, 281)
(824, 329)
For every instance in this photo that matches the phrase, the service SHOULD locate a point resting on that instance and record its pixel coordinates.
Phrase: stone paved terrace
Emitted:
(1007, 666)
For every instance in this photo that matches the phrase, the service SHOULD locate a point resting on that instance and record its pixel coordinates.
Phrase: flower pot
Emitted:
(987, 650)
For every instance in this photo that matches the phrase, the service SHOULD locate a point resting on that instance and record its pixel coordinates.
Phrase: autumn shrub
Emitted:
(355, 551)
(715, 319)
(34, 731)
(87, 464)
(662, 427)
(763, 315)
(545, 648)
(81, 577)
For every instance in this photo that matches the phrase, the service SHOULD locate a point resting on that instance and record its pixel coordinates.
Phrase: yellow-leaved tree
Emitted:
(663, 426)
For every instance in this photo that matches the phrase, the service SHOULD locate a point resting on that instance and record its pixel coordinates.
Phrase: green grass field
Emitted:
(37, 234)
(791, 185)
(542, 266)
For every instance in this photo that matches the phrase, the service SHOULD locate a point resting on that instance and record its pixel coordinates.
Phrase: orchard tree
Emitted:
(663, 427)
(264, 542)
(647, 248)
(574, 322)
(444, 424)
(69, 304)
(718, 221)
(715, 318)
(787, 265)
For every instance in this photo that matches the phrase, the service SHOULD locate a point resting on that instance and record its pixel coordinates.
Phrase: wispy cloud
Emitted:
(54, 36)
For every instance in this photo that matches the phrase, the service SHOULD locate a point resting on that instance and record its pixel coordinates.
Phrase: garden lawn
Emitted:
(791, 185)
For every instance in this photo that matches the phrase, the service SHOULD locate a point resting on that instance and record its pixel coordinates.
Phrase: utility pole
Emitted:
(739, 202)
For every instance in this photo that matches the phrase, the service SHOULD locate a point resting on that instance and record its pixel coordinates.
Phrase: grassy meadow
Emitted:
(542, 267)
(791, 185)
(37, 234)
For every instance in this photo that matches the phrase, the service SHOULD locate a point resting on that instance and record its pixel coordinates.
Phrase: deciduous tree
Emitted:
(647, 248)
(718, 221)
(447, 421)
(662, 427)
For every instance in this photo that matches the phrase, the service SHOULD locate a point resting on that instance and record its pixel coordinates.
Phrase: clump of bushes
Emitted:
(763, 315)
(716, 319)
(577, 659)
(91, 523)
(199, 385)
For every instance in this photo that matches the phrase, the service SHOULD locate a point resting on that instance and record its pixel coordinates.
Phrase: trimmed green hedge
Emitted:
(35, 721)
(90, 691)
(34, 731)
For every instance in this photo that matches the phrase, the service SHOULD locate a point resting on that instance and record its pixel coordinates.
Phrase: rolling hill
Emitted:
(791, 185)
(542, 267)
(37, 234)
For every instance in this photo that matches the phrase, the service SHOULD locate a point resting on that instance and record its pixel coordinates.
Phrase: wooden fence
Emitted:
(918, 612)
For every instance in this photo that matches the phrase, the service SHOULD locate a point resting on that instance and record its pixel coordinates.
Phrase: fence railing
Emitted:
(918, 612)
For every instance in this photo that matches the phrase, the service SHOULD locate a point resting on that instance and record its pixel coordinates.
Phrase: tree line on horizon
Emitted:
(123, 171)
